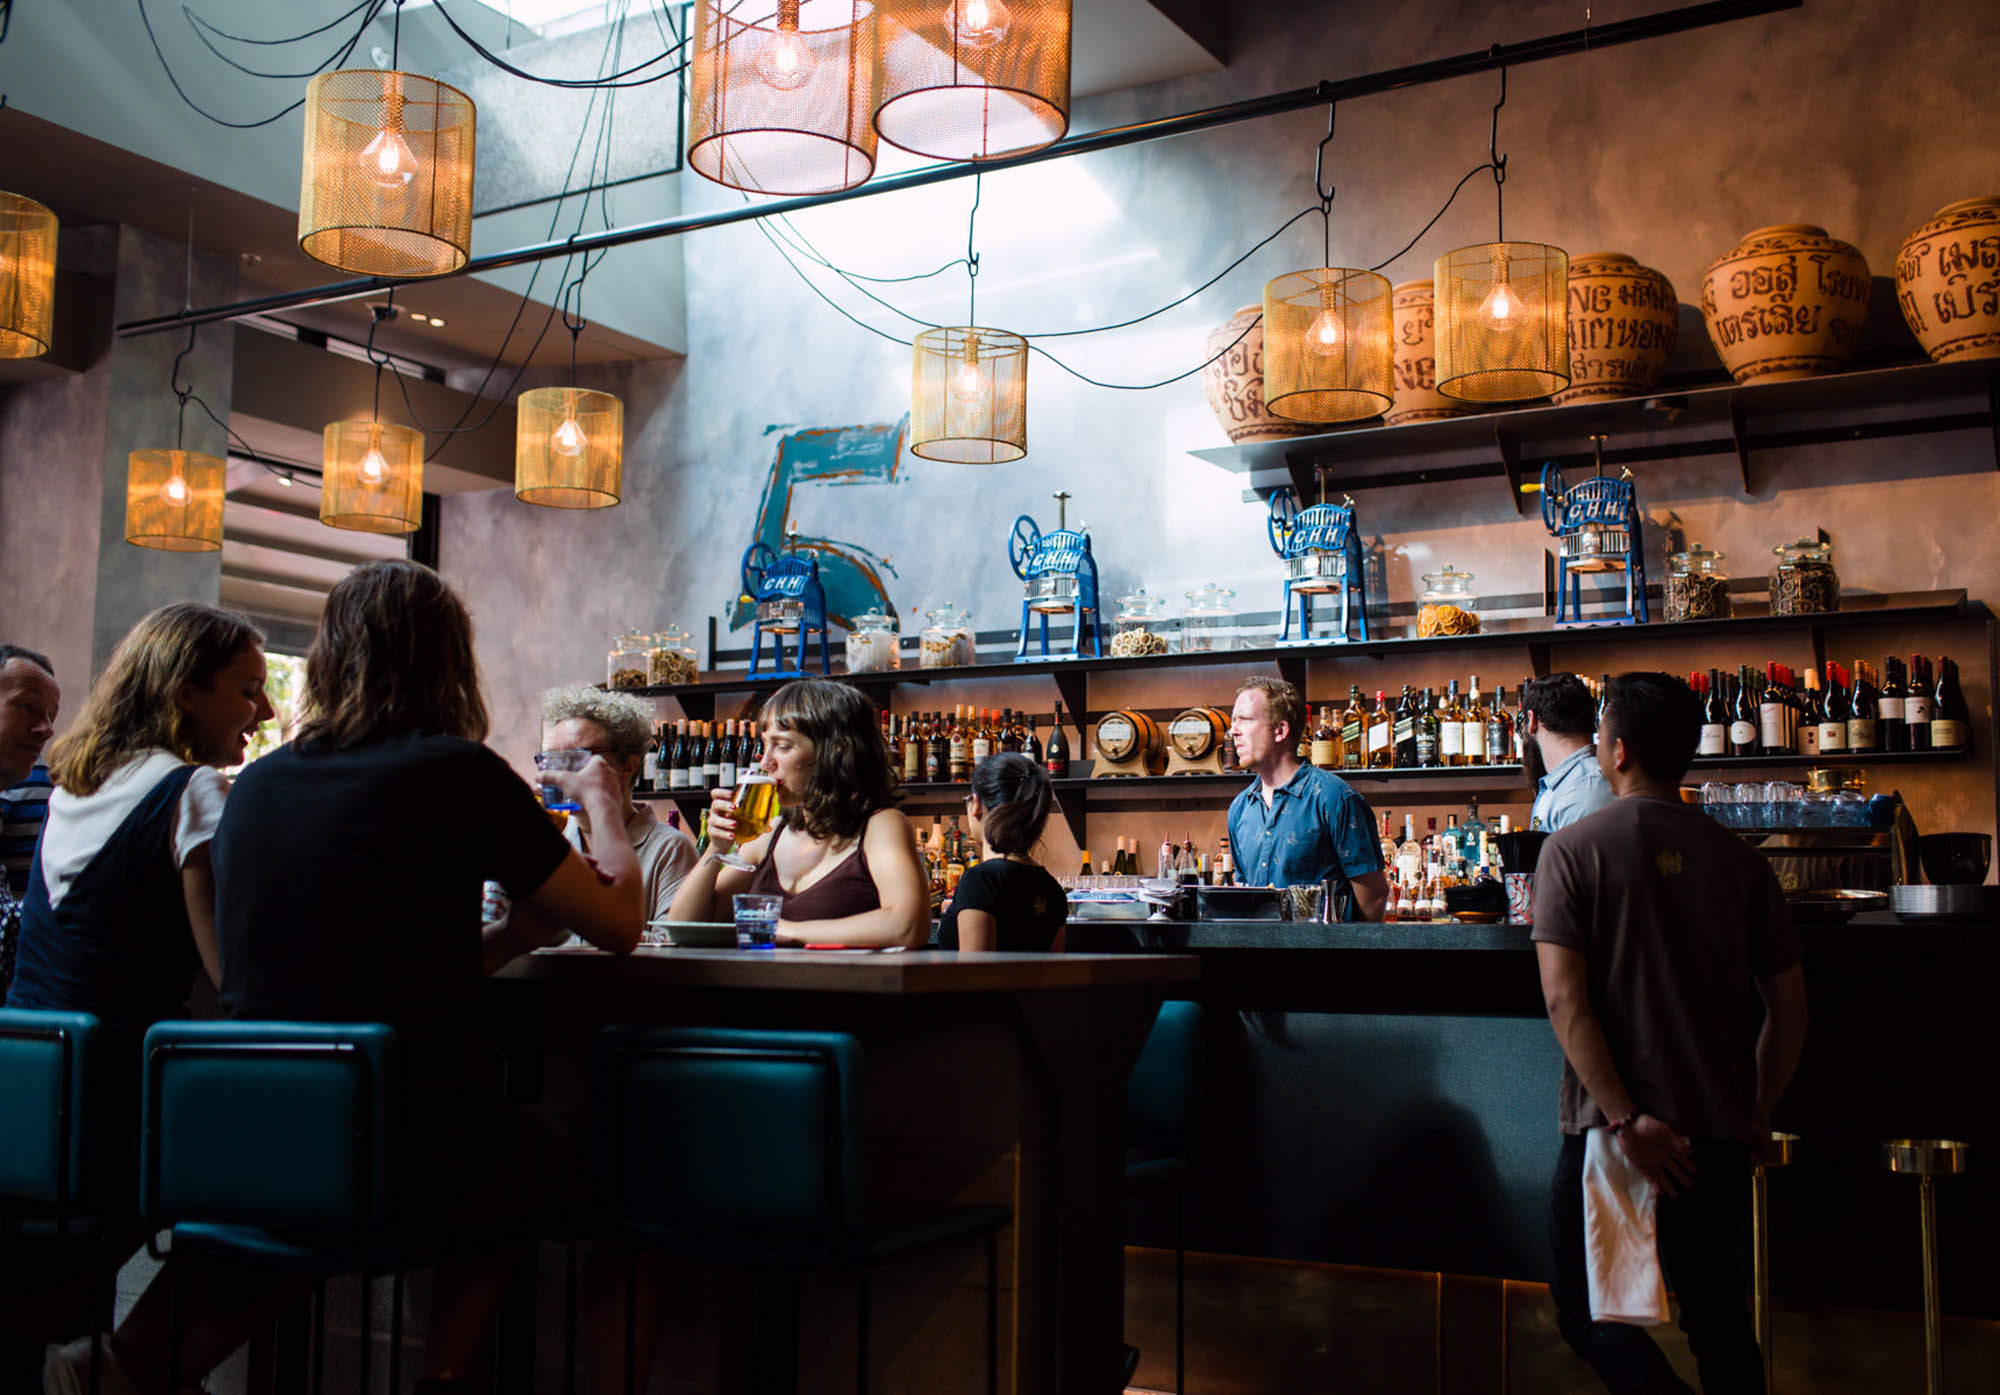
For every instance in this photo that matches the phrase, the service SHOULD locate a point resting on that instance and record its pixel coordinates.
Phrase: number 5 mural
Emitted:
(831, 456)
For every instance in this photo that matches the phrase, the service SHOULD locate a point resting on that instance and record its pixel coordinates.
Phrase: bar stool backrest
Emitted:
(69, 1098)
(289, 1126)
(712, 1132)
(1164, 1098)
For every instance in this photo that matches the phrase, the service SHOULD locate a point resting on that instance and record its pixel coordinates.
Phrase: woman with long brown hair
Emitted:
(842, 857)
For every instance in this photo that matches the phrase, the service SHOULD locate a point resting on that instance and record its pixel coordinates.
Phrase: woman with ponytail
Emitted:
(1007, 901)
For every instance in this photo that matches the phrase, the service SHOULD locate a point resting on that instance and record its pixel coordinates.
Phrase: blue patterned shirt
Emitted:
(24, 805)
(1574, 790)
(1315, 827)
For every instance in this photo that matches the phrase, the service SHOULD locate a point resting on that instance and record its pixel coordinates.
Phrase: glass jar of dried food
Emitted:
(625, 666)
(670, 661)
(871, 643)
(1447, 606)
(1209, 622)
(1804, 581)
(947, 641)
(1697, 588)
(1139, 629)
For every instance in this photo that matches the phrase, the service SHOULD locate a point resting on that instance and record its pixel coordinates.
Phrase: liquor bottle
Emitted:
(959, 748)
(1742, 714)
(1951, 719)
(1429, 729)
(1714, 718)
(982, 738)
(711, 758)
(1833, 712)
(1472, 720)
(1406, 730)
(1409, 852)
(1084, 870)
(1326, 752)
(954, 858)
(1032, 747)
(935, 737)
(1521, 724)
(1431, 849)
(1380, 734)
(1863, 734)
(1891, 733)
(1918, 704)
(1353, 726)
(1225, 864)
(1057, 759)
(1501, 748)
(1603, 692)
(1452, 848)
(726, 764)
(1451, 726)
(1475, 837)
(1809, 706)
(1775, 717)
(913, 749)
(1388, 842)
(694, 756)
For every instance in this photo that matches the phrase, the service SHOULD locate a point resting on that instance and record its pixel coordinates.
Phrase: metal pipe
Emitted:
(1298, 99)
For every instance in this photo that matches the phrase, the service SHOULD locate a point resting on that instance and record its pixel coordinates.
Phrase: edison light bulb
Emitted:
(175, 491)
(977, 24)
(388, 160)
(786, 62)
(374, 469)
(969, 388)
(1502, 306)
(568, 439)
(1324, 336)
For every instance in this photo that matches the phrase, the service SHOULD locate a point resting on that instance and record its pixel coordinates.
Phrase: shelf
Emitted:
(1908, 608)
(1701, 417)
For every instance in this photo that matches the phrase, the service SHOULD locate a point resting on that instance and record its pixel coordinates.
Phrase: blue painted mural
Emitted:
(834, 457)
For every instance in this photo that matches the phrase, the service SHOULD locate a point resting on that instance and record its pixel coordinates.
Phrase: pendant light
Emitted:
(173, 498)
(569, 442)
(781, 94)
(372, 472)
(27, 276)
(385, 188)
(969, 385)
(974, 79)
(1502, 327)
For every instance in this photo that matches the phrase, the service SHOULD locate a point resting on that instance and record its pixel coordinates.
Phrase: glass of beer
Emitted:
(756, 811)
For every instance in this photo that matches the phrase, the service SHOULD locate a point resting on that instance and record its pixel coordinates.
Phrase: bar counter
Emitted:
(991, 1079)
(1385, 1095)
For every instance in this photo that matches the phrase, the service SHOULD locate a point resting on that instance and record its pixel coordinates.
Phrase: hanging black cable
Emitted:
(1499, 161)
(320, 67)
(198, 22)
(202, 111)
(614, 80)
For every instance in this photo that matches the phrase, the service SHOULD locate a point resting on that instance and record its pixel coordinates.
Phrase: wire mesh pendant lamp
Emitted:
(781, 94)
(569, 442)
(173, 498)
(385, 188)
(1502, 311)
(974, 79)
(372, 473)
(27, 276)
(969, 385)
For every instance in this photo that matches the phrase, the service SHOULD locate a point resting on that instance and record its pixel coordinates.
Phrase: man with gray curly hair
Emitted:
(618, 727)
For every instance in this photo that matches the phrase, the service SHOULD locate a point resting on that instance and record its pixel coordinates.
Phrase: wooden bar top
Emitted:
(832, 971)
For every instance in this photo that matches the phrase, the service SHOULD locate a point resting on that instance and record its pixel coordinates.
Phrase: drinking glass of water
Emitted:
(545, 761)
(757, 920)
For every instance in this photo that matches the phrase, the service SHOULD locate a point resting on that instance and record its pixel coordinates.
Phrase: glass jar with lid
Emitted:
(625, 665)
(1139, 629)
(670, 661)
(947, 641)
(871, 643)
(1804, 582)
(1448, 605)
(1209, 622)
(1697, 587)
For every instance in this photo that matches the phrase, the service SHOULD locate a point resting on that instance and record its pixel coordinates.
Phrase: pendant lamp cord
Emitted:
(396, 37)
(573, 321)
(971, 256)
(1499, 160)
(1325, 191)
(183, 393)
(385, 311)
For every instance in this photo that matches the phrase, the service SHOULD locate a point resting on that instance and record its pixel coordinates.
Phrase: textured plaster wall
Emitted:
(1858, 116)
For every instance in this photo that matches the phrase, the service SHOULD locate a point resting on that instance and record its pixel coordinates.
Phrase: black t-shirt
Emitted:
(348, 882)
(1026, 903)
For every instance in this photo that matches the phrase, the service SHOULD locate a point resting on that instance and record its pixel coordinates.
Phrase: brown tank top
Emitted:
(846, 890)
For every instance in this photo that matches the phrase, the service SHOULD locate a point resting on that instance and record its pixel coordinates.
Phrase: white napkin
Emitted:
(1621, 1248)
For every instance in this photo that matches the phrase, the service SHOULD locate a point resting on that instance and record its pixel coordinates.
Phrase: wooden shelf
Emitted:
(1699, 417)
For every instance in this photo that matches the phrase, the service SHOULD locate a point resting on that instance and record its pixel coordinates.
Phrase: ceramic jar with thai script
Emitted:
(1948, 281)
(1235, 382)
(1413, 305)
(1623, 320)
(1786, 302)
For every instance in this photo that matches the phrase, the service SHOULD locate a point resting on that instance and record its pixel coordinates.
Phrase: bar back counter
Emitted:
(1384, 1096)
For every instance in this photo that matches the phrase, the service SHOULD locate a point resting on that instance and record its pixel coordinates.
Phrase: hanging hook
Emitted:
(971, 255)
(1325, 190)
(1499, 161)
(183, 393)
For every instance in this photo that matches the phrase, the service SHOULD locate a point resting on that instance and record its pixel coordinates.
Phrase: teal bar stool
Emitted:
(68, 1095)
(1164, 1101)
(746, 1149)
(276, 1145)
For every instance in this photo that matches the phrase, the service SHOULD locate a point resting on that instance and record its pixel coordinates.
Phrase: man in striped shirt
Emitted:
(29, 698)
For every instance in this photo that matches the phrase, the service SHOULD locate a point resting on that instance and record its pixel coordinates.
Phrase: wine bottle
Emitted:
(1951, 720)
(982, 739)
(711, 758)
(1833, 712)
(1893, 734)
(1085, 871)
(1032, 746)
(1862, 711)
(1743, 715)
(1057, 760)
(1809, 705)
(959, 749)
(1917, 704)
(1774, 717)
(1714, 719)
(726, 765)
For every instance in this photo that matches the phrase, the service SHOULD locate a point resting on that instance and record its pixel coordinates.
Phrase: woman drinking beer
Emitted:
(840, 854)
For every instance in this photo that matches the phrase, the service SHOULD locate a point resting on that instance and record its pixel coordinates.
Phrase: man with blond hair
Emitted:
(618, 726)
(1297, 824)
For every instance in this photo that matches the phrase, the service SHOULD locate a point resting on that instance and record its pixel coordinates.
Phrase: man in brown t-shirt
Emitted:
(1658, 933)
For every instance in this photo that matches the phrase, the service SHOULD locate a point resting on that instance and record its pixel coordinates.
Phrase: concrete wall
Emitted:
(1862, 117)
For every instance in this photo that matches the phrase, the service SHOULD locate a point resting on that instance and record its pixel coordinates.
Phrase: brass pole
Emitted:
(1760, 1282)
(1933, 1343)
